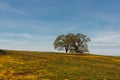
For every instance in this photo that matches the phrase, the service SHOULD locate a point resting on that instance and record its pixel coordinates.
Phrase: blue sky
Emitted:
(34, 24)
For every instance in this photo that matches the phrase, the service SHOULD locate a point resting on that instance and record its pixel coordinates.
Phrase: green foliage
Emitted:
(72, 43)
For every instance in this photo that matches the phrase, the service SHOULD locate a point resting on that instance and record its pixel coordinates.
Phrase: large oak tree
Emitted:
(72, 43)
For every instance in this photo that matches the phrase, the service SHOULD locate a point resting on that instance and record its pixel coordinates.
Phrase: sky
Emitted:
(35, 24)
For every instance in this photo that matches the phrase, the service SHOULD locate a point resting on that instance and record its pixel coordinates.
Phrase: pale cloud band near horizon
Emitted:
(105, 44)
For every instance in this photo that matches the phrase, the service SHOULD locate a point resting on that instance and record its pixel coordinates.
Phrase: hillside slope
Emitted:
(25, 65)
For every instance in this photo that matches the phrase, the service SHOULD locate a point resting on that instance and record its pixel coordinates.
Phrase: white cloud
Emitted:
(106, 39)
(14, 38)
(17, 35)
(10, 41)
(26, 41)
(106, 43)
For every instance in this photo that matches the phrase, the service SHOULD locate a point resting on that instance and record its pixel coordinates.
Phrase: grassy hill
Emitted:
(25, 65)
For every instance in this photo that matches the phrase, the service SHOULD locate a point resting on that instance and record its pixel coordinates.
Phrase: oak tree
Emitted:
(72, 43)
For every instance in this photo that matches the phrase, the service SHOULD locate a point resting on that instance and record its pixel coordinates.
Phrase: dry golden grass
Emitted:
(25, 65)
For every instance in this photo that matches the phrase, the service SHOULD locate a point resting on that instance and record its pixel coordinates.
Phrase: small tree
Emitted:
(72, 43)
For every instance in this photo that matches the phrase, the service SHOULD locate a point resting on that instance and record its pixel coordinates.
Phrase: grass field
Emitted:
(25, 65)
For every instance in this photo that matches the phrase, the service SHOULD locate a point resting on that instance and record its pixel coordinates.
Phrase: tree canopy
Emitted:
(72, 43)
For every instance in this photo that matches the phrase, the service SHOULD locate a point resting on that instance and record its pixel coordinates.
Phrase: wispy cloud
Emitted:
(107, 37)
(5, 6)
(23, 35)
(16, 35)
(44, 20)
(106, 43)
(11, 41)
(14, 38)
(26, 41)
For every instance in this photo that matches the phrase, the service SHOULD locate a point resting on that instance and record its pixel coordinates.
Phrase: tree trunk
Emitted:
(66, 50)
